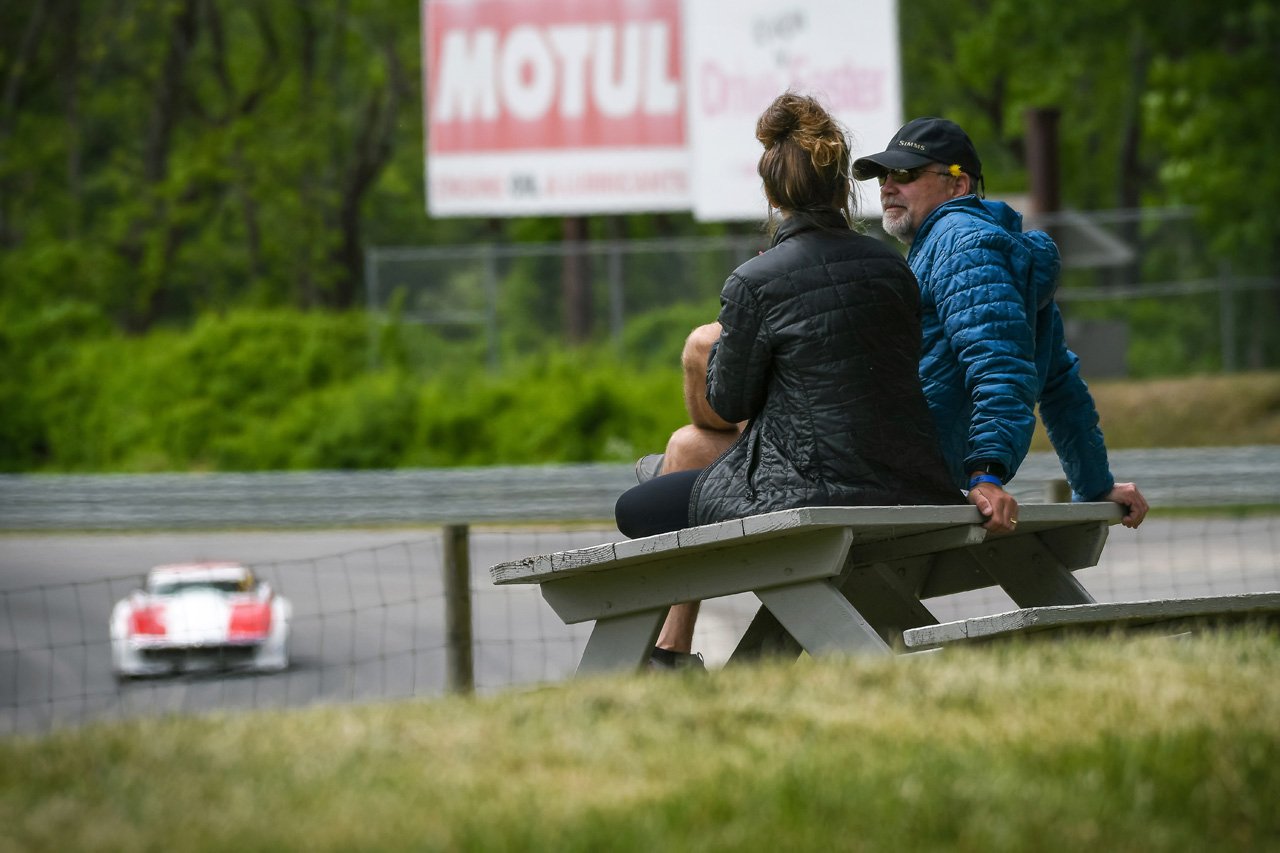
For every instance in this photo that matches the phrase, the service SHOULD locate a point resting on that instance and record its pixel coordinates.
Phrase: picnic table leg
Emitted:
(765, 636)
(886, 601)
(821, 619)
(1030, 573)
(622, 643)
(883, 599)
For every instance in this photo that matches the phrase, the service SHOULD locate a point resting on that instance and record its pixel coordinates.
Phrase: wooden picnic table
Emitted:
(829, 579)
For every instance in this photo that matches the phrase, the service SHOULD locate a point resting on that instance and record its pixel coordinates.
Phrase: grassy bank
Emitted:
(1149, 744)
(1229, 410)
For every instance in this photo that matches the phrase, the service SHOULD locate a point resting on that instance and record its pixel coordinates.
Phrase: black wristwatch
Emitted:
(987, 466)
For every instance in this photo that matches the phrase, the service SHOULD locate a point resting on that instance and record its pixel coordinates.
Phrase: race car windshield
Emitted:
(173, 588)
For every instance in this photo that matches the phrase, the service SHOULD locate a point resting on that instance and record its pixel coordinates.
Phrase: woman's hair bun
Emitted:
(804, 120)
(805, 164)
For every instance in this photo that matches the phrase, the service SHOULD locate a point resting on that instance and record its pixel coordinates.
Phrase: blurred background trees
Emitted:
(164, 157)
(1162, 101)
(168, 165)
(159, 158)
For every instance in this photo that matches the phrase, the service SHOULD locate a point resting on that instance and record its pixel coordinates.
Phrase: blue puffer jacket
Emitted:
(994, 346)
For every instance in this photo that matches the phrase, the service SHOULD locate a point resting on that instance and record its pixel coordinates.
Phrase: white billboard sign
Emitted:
(744, 53)
(563, 107)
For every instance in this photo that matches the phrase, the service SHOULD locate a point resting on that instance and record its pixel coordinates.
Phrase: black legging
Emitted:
(660, 505)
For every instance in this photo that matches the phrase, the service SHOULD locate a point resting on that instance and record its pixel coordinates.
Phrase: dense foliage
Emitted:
(159, 158)
(284, 390)
(1160, 102)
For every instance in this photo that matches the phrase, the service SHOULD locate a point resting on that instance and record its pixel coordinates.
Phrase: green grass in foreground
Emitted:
(1151, 744)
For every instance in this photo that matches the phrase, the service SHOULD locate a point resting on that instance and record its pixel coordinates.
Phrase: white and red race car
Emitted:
(200, 616)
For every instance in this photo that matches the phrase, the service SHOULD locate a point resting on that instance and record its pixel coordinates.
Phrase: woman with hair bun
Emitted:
(812, 395)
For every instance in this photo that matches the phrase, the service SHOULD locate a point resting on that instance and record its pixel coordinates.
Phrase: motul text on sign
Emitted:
(513, 86)
(551, 86)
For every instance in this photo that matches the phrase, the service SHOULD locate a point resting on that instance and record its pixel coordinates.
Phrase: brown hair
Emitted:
(805, 164)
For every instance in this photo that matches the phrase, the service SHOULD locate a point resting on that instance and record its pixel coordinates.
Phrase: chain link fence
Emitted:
(376, 608)
(1141, 292)
(1175, 477)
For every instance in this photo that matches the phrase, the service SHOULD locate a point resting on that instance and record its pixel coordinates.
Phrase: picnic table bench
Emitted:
(1168, 615)
(829, 579)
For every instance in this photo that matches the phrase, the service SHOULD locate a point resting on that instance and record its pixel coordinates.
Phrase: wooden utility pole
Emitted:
(575, 278)
(457, 608)
(1042, 159)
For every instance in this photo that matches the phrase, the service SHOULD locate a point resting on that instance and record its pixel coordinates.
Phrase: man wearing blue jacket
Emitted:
(993, 336)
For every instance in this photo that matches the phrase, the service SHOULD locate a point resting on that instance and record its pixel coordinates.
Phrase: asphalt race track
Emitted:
(369, 619)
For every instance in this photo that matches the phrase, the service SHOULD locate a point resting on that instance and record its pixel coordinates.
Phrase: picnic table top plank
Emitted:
(685, 576)
(626, 549)
(867, 523)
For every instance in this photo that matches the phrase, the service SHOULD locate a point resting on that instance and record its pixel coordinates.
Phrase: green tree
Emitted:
(1213, 113)
(1161, 103)
(1115, 68)
(165, 156)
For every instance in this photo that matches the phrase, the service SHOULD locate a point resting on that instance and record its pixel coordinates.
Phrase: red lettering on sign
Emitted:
(508, 75)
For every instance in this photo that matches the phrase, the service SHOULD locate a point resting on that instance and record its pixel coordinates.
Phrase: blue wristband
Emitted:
(985, 478)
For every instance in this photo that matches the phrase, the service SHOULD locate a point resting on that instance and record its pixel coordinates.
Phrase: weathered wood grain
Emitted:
(1175, 613)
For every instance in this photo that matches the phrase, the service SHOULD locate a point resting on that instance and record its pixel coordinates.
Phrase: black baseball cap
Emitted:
(921, 141)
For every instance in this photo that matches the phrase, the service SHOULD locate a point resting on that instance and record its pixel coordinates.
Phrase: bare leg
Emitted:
(691, 447)
(677, 631)
(697, 349)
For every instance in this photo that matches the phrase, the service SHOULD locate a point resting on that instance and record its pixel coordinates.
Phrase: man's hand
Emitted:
(997, 505)
(1128, 496)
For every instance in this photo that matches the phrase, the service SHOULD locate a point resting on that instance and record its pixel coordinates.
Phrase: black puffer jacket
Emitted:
(820, 349)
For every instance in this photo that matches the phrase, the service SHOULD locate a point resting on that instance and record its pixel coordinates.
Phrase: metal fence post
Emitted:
(1227, 317)
(491, 307)
(457, 608)
(617, 315)
(371, 303)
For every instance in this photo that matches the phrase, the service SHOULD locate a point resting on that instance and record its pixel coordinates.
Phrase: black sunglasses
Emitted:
(908, 176)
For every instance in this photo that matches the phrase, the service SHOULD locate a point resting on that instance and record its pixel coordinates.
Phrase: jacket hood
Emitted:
(1047, 263)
